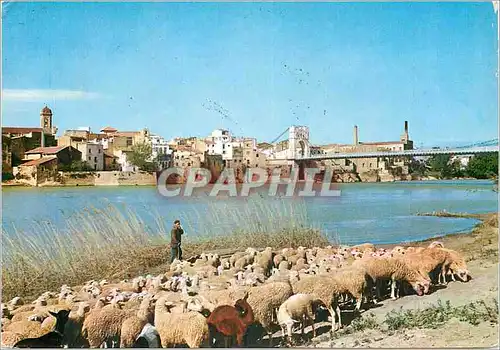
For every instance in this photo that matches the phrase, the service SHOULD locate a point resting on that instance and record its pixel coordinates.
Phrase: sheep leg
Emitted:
(289, 333)
(314, 329)
(453, 277)
(338, 312)
(333, 314)
(358, 303)
(393, 289)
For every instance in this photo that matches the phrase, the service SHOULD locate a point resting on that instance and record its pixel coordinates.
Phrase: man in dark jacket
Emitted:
(175, 241)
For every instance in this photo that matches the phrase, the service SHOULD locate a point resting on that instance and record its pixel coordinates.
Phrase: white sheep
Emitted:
(299, 308)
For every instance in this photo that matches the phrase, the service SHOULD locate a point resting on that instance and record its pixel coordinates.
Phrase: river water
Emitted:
(375, 212)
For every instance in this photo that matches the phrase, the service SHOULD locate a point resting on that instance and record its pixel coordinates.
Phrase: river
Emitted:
(377, 212)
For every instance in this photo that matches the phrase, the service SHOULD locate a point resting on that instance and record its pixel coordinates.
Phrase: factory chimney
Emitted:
(356, 140)
(405, 137)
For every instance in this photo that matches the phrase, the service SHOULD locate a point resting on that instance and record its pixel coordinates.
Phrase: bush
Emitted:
(483, 166)
(432, 317)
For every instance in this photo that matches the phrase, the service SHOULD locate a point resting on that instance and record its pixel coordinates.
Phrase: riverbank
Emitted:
(118, 178)
(460, 315)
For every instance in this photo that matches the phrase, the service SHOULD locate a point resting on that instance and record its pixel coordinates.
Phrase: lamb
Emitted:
(132, 326)
(187, 328)
(231, 321)
(265, 301)
(324, 288)
(298, 308)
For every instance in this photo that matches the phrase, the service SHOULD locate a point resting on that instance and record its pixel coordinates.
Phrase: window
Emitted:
(90, 158)
(257, 155)
(95, 159)
(90, 150)
(129, 141)
(98, 150)
(363, 165)
(223, 152)
(248, 161)
(189, 164)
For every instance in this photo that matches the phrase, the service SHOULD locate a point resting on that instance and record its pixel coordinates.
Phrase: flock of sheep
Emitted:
(210, 301)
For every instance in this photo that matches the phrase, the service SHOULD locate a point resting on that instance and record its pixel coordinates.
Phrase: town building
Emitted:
(161, 151)
(186, 157)
(361, 165)
(65, 154)
(39, 170)
(92, 154)
(22, 139)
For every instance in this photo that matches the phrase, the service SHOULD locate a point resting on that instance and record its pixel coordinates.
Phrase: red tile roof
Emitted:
(127, 133)
(109, 129)
(19, 130)
(39, 161)
(46, 150)
(381, 143)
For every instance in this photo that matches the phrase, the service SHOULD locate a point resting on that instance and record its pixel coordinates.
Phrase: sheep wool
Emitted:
(176, 329)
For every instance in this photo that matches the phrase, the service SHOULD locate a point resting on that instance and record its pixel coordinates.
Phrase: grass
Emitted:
(435, 316)
(114, 244)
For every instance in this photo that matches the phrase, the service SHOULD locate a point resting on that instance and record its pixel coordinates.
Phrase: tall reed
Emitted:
(116, 242)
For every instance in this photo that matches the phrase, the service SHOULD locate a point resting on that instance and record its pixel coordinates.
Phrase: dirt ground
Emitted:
(481, 250)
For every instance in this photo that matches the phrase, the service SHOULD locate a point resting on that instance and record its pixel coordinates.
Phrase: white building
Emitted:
(123, 162)
(464, 160)
(93, 154)
(161, 151)
(221, 142)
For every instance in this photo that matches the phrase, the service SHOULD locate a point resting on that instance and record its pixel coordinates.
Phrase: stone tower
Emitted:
(46, 119)
(298, 142)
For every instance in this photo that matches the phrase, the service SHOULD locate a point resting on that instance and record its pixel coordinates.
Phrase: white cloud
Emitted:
(34, 95)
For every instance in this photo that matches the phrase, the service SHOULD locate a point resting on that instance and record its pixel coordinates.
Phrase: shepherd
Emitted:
(175, 241)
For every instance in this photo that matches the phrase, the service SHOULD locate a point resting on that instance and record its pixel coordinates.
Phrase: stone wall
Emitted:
(77, 178)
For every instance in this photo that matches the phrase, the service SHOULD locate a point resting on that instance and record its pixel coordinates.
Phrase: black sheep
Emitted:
(52, 339)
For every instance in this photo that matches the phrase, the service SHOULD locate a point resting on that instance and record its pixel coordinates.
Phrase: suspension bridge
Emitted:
(299, 148)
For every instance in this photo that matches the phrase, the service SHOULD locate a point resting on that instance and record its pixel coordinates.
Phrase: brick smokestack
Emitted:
(356, 139)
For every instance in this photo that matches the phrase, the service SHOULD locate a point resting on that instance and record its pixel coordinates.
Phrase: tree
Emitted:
(76, 165)
(444, 167)
(417, 167)
(140, 155)
(483, 166)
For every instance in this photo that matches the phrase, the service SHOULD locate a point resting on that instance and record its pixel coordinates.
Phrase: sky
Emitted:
(184, 69)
